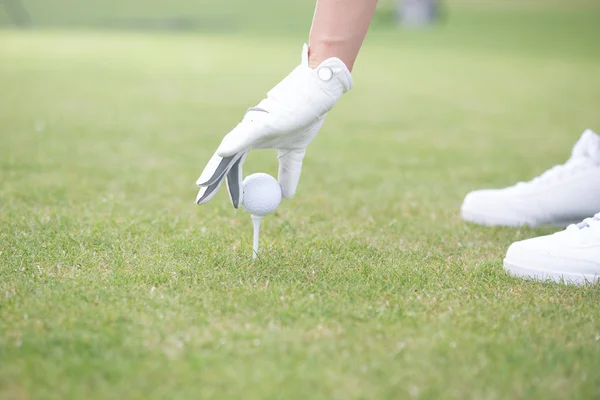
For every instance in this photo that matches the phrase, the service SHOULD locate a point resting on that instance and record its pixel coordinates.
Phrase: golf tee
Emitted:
(256, 222)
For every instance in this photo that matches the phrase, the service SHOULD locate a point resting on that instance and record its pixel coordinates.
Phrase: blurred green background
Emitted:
(258, 16)
(533, 25)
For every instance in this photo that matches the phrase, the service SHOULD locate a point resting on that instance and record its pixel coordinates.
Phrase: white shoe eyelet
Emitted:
(325, 73)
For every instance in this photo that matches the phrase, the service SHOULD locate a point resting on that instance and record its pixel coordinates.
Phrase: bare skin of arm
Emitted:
(338, 30)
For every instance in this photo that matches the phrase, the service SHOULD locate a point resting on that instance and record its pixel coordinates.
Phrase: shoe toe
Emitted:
(550, 258)
(492, 207)
(531, 252)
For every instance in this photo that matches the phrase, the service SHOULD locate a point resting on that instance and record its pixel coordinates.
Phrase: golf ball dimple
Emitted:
(261, 194)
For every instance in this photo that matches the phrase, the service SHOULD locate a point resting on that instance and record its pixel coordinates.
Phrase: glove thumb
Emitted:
(290, 168)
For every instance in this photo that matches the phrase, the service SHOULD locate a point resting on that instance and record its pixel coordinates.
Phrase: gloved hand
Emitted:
(288, 119)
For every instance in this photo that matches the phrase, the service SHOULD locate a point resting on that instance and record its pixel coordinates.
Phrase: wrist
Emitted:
(326, 49)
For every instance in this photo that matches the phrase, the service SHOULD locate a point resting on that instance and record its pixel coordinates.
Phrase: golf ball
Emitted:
(262, 194)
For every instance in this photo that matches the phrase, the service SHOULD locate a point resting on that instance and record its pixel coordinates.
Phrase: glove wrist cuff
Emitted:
(307, 94)
(332, 70)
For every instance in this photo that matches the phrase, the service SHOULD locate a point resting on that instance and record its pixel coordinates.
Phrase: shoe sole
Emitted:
(489, 220)
(529, 273)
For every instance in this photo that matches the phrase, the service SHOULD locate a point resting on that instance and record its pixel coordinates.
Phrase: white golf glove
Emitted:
(287, 120)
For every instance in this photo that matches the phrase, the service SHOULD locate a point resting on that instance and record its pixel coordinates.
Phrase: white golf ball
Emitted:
(262, 194)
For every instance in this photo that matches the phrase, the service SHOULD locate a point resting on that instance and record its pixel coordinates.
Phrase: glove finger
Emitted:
(234, 182)
(206, 193)
(247, 134)
(213, 176)
(216, 168)
(290, 168)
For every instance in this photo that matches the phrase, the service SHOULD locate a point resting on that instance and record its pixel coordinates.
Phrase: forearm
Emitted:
(338, 30)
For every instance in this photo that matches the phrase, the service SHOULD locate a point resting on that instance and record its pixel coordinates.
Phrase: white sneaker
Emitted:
(569, 256)
(564, 194)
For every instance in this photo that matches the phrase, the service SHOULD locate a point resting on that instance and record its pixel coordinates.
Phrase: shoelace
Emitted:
(589, 222)
(587, 230)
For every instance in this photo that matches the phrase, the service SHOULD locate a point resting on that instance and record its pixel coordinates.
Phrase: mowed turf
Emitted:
(114, 284)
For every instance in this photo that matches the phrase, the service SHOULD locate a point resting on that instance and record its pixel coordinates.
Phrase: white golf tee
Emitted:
(256, 222)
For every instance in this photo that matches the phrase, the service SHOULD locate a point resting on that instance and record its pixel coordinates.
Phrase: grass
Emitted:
(113, 284)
